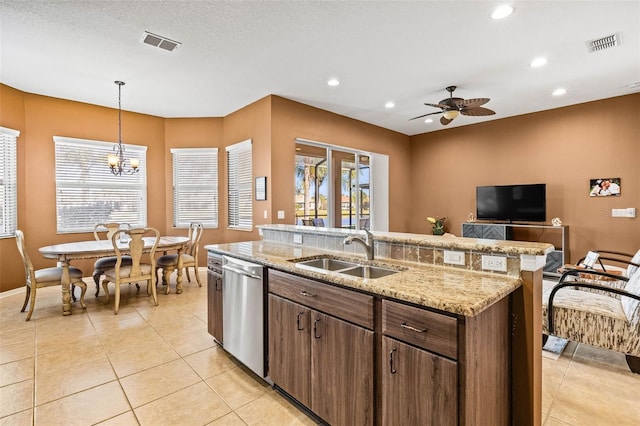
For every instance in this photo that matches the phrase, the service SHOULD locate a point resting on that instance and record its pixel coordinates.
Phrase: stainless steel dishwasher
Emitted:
(243, 312)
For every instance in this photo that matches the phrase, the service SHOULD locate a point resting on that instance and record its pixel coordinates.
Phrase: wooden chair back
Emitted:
(135, 249)
(195, 233)
(108, 229)
(22, 248)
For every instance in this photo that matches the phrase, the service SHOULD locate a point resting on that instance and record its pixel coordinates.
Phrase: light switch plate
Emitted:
(454, 257)
(297, 238)
(280, 214)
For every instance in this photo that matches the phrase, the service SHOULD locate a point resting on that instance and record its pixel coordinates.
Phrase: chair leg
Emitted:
(26, 297)
(32, 302)
(96, 279)
(151, 285)
(83, 288)
(166, 272)
(116, 303)
(195, 271)
(545, 337)
(634, 363)
(105, 286)
(188, 276)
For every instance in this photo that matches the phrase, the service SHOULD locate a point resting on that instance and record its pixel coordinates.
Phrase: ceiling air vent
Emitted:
(159, 41)
(604, 43)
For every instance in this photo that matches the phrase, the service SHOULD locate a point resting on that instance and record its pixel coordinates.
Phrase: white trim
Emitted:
(12, 292)
(239, 145)
(92, 142)
(10, 132)
(192, 150)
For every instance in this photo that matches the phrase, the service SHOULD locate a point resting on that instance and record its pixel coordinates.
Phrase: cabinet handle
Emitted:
(298, 320)
(306, 294)
(315, 328)
(218, 280)
(408, 327)
(391, 366)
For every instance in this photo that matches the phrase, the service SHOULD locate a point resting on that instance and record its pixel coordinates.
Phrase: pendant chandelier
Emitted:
(117, 162)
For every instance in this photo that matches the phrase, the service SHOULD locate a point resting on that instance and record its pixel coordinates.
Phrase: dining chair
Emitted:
(136, 271)
(169, 262)
(39, 278)
(109, 262)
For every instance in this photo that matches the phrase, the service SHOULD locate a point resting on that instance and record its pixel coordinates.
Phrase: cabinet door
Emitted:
(290, 347)
(418, 387)
(341, 371)
(214, 309)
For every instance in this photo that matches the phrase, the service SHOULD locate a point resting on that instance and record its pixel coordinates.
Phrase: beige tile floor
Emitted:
(158, 366)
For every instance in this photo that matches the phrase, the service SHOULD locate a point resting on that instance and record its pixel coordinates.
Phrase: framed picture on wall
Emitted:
(604, 187)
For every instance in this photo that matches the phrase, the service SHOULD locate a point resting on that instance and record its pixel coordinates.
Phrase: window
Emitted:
(195, 186)
(8, 182)
(240, 185)
(88, 193)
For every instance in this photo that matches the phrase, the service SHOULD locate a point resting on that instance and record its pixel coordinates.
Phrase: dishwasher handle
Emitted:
(241, 272)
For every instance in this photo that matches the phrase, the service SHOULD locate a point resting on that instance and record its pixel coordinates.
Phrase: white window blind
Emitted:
(240, 185)
(88, 193)
(195, 186)
(8, 182)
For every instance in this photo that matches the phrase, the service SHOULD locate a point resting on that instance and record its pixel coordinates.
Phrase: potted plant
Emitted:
(438, 224)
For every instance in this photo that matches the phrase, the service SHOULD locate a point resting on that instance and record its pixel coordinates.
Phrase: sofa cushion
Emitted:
(631, 269)
(631, 306)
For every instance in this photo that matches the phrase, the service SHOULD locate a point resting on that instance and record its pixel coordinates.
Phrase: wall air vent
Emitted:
(604, 43)
(159, 41)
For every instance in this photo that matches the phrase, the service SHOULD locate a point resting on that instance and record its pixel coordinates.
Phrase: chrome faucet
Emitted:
(367, 243)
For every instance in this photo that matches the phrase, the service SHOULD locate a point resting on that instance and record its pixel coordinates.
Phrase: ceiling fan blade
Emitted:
(438, 105)
(431, 113)
(477, 112)
(445, 120)
(474, 103)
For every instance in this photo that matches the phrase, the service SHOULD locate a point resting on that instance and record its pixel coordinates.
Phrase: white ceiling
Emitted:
(234, 53)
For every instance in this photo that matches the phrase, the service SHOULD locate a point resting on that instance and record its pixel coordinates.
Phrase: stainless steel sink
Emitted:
(366, 271)
(354, 269)
(327, 264)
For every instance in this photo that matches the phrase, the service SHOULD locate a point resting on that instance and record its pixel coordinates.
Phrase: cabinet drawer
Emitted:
(345, 304)
(429, 330)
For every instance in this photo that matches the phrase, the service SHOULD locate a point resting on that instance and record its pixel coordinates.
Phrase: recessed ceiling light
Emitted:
(538, 62)
(333, 82)
(429, 120)
(559, 92)
(389, 105)
(502, 12)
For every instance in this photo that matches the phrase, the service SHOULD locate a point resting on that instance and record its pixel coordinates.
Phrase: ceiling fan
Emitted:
(451, 107)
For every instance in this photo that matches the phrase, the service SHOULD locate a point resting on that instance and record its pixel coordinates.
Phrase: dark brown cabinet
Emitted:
(324, 362)
(214, 299)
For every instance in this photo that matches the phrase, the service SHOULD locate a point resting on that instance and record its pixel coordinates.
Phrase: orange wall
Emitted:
(191, 133)
(563, 148)
(291, 120)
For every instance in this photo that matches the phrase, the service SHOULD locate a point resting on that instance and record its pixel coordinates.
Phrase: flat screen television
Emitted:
(513, 203)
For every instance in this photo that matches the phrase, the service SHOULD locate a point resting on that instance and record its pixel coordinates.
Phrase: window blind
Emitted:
(88, 193)
(8, 182)
(239, 185)
(195, 186)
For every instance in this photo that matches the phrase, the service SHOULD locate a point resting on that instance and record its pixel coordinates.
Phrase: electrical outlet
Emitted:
(266, 214)
(454, 257)
(280, 214)
(494, 263)
(297, 238)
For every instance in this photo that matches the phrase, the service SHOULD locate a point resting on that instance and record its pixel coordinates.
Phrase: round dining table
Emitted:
(92, 249)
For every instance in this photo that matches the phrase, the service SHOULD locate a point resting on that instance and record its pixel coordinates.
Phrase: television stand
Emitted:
(556, 235)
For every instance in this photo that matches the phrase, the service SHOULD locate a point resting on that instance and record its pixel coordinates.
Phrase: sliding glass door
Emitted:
(333, 186)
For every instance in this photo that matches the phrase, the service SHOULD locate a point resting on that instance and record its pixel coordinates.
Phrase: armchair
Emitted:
(595, 318)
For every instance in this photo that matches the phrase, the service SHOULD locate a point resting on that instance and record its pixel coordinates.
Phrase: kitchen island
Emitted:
(468, 334)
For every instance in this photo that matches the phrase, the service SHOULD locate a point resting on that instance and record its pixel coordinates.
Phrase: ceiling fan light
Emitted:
(451, 114)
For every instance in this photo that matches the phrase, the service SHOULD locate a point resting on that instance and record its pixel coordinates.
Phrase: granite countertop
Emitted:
(458, 291)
